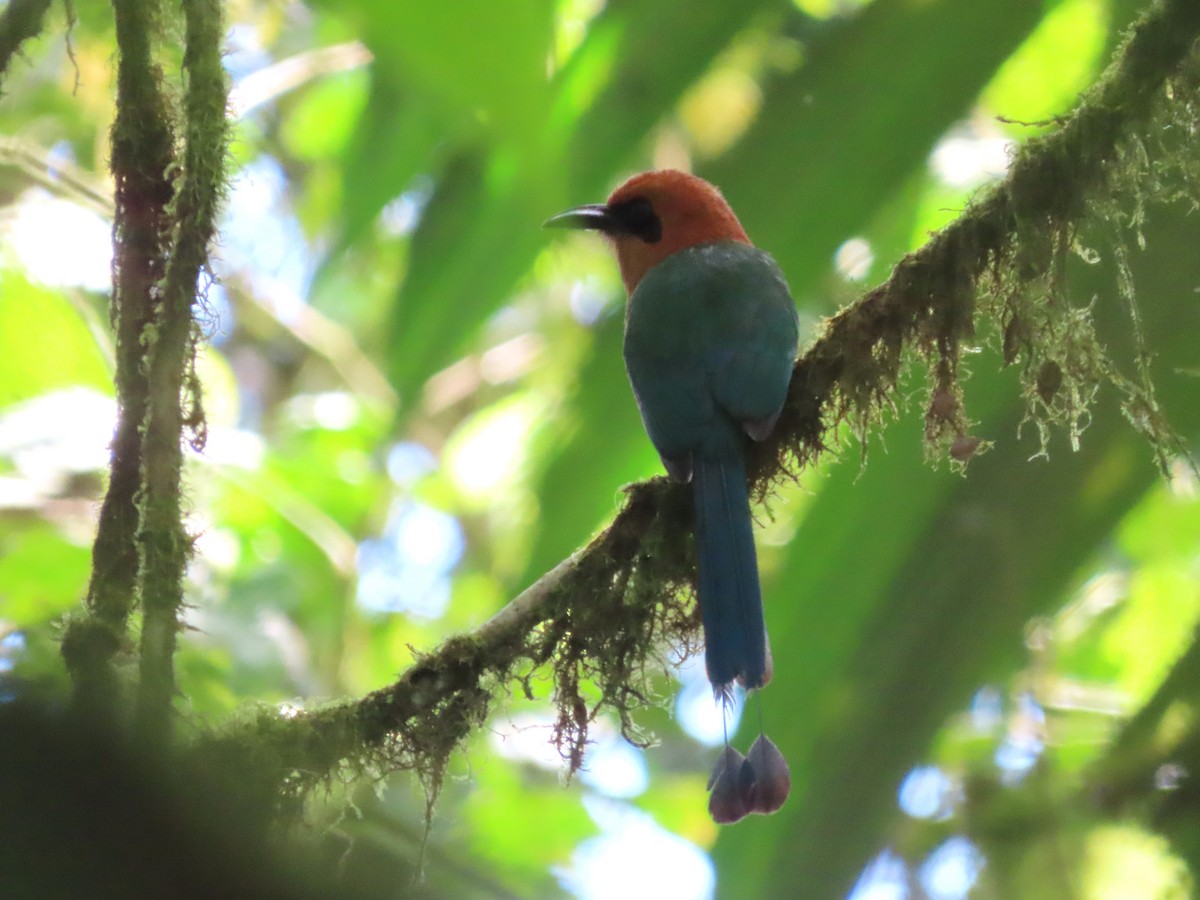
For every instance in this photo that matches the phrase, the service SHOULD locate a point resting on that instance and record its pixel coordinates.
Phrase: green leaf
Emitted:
(838, 137)
(42, 574)
(480, 59)
(37, 325)
(321, 121)
(482, 230)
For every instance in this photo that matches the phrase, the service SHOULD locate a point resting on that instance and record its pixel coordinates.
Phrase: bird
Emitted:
(711, 334)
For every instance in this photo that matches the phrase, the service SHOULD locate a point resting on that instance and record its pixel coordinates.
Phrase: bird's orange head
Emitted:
(653, 215)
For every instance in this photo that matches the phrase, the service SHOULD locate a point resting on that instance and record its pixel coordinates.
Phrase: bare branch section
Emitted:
(604, 615)
(162, 542)
(142, 157)
(20, 21)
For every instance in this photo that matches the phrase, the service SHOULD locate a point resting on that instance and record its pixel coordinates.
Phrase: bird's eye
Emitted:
(637, 217)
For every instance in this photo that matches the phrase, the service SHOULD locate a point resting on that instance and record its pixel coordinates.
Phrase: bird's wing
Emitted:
(752, 340)
(669, 386)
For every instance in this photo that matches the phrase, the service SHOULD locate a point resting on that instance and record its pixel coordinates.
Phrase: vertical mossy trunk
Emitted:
(142, 157)
(163, 544)
(164, 219)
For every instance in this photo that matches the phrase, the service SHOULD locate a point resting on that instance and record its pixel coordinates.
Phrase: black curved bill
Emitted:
(594, 216)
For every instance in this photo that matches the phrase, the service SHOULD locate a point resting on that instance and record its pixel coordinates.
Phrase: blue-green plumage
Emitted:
(710, 339)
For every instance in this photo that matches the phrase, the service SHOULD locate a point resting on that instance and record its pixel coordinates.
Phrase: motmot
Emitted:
(711, 333)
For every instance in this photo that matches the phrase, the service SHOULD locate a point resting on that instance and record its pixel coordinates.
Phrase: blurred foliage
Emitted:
(416, 407)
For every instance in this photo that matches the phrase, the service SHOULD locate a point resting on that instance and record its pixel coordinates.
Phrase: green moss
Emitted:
(20, 21)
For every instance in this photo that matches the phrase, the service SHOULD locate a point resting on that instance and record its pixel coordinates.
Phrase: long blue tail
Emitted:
(735, 636)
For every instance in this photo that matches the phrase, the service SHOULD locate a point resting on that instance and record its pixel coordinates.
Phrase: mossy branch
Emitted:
(1017, 235)
(162, 542)
(20, 21)
(416, 722)
(142, 157)
(604, 614)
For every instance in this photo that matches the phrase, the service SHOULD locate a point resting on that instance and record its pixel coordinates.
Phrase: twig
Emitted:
(63, 178)
(320, 334)
(279, 78)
